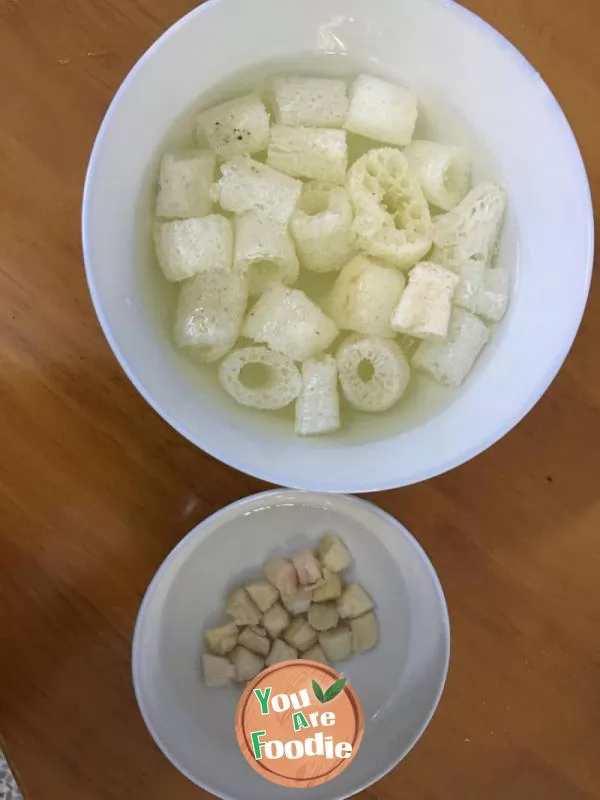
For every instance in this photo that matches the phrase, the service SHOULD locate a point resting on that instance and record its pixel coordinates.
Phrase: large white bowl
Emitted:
(442, 51)
(399, 683)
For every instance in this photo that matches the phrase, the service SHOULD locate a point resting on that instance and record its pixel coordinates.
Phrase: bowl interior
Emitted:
(195, 726)
(462, 70)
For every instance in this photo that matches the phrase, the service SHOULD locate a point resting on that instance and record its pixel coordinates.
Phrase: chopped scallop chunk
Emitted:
(263, 593)
(254, 642)
(300, 635)
(337, 643)
(222, 639)
(282, 574)
(316, 653)
(275, 620)
(246, 664)
(323, 616)
(353, 602)
(333, 553)
(298, 602)
(281, 651)
(330, 588)
(307, 567)
(217, 671)
(241, 608)
(365, 632)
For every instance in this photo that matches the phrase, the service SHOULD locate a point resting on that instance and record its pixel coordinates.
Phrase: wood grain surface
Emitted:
(95, 489)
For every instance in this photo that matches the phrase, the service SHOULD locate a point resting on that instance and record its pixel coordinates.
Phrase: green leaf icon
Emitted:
(318, 692)
(334, 690)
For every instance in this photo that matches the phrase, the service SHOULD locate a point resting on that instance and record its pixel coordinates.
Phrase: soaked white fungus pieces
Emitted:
(392, 219)
(483, 290)
(199, 354)
(321, 227)
(315, 153)
(278, 378)
(293, 210)
(184, 185)
(318, 404)
(442, 170)
(381, 110)
(472, 229)
(425, 305)
(248, 185)
(364, 296)
(264, 249)
(289, 322)
(236, 127)
(450, 361)
(317, 102)
(374, 372)
(210, 310)
(185, 247)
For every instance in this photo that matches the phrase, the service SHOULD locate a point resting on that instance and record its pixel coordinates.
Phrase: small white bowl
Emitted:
(399, 683)
(441, 50)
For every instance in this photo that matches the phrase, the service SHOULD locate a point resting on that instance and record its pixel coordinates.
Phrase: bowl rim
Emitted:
(362, 484)
(210, 525)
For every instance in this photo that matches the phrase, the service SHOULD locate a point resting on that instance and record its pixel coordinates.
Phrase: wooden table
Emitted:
(95, 489)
